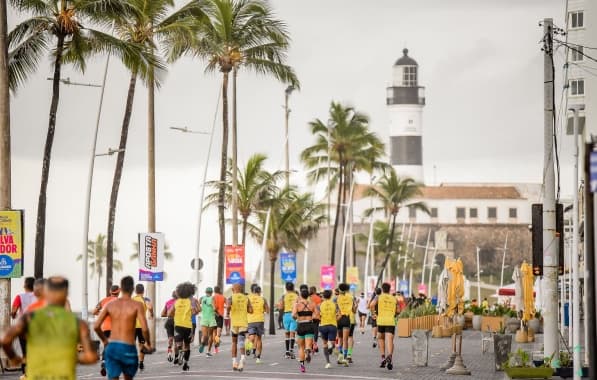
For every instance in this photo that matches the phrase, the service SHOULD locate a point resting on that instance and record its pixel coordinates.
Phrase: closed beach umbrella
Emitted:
(517, 300)
(459, 285)
(442, 291)
(526, 272)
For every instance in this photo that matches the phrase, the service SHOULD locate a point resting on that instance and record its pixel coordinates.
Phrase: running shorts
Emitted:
(289, 322)
(183, 334)
(305, 330)
(139, 336)
(328, 332)
(361, 315)
(386, 330)
(344, 323)
(209, 322)
(121, 358)
(257, 328)
(351, 332)
(169, 326)
(238, 330)
(219, 321)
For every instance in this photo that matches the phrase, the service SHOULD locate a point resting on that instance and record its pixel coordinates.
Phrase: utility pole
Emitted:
(550, 238)
(151, 220)
(5, 184)
(576, 345)
(287, 93)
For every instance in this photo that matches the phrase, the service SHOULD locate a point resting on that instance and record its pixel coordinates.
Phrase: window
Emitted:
(491, 212)
(409, 76)
(412, 212)
(513, 213)
(577, 20)
(473, 213)
(577, 87)
(576, 53)
(434, 212)
(460, 213)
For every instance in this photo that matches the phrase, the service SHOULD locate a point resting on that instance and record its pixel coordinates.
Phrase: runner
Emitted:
(374, 320)
(181, 313)
(196, 309)
(146, 302)
(19, 305)
(120, 351)
(387, 307)
(303, 312)
(313, 296)
(38, 291)
(208, 321)
(329, 315)
(346, 305)
(353, 324)
(286, 304)
(363, 312)
(169, 325)
(53, 335)
(219, 304)
(107, 324)
(238, 309)
(256, 321)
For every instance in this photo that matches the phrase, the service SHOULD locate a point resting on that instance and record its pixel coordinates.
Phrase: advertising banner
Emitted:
(151, 256)
(328, 275)
(352, 276)
(403, 287)
(288, 267)
(11, 244)
(371, 282)
(235, 264)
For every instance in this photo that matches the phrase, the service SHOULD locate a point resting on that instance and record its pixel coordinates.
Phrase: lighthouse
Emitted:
(405, 101)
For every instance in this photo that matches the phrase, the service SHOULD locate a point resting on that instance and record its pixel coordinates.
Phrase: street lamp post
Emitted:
(287, 93)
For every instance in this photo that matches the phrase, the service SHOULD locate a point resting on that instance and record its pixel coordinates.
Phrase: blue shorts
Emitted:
(328, 332)
(289, 322)
(121, 358)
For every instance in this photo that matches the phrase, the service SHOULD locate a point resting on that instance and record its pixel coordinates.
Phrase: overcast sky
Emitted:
(480, 62)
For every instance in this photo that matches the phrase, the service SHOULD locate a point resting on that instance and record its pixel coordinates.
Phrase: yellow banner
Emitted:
(352, 275)
(11, 244)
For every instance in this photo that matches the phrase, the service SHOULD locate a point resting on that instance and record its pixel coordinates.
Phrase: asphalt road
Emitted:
(365, 366)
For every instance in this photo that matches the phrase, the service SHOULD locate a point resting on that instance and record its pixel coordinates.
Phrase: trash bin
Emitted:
(420, 344)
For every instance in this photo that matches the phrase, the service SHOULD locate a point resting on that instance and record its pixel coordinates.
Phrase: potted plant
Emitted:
(477, 315)
(566, 369)
(493, 319)
(536, 322)
(502, 344)
(518, 366)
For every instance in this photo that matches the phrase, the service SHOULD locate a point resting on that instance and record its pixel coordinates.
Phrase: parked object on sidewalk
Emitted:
(420, 347)
(502, 344)
(518, 366)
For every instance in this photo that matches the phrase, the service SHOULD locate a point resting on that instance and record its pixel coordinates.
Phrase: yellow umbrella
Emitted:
(526, 272)
(459, 279)
(450, 266)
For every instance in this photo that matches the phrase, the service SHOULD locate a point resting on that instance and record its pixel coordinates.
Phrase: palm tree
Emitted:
(168, 255)
(381, 243)
(254, 184)
(343, 146)
(96, 252)
(149, 26)
(394, 193)
(56, 28)
(239, 33)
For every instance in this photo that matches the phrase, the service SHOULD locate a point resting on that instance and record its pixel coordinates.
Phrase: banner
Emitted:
(288, 267)
(371, 282)
(151, 256)
(11, 244)
(352, 276)
(328, 275)
(235, 264)
(403, 287)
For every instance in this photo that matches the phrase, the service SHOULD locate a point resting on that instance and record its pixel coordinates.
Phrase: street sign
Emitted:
(193, 264)
(593, 171)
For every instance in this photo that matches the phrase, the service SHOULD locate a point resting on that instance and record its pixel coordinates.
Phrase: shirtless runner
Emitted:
(121, 353)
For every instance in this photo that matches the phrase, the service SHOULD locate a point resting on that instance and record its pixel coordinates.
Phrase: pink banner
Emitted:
(328, 275)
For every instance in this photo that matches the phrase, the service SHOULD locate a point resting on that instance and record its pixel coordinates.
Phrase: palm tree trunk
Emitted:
(272, 281)
(222, 190)
(389, 252)
(347, 182)
(234, 163)
(337, 219)
(245, 225)
(40, 233)
(117, 177)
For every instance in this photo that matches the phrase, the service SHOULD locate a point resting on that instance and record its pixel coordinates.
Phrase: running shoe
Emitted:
(217, 349)
(170, 356)
(389, 366)
(241, 365)
(287, 355)
(141, 366)
(292, 355)
(235, 366)
(201, 348)
(103, 369)
(180, 358)
(185, 366)
(302, 367)
(308, 357)
(340, 359)
(349, 359)
(208, 355)
(383, 363)
(374, 344)
(258, 361)
(328, 365)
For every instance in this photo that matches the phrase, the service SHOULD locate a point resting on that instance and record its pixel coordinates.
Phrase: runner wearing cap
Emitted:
(107, 323)
(208, 321)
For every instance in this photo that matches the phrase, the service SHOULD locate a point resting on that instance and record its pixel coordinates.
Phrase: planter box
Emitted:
(492, 323)
(404, 327)
(529, 373)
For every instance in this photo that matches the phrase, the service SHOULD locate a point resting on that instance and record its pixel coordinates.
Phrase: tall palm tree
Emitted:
(394, 193)
(239, 33)
(151, 27)
(168, 255)
(254, 184)
(56, 28)
(343, 146)
(96, 252)
(381, 243)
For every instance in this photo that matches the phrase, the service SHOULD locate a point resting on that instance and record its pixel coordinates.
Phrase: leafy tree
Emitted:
(96, 254)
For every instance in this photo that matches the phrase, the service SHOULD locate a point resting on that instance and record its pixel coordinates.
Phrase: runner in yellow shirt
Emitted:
(286, 304)
(329, 314)
(181, 312)
(347, 308)
(238, 311)
(385, 314)
(257, 321)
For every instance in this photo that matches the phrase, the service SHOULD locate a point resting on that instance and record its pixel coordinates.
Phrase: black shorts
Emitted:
(386, 330)
(107, 333)
(219, 321)
(351, 332)
(344, 323)
(183, 334)
(139, 336)
(305, 330)
(361, 315)
(169, 326)
(373, 323)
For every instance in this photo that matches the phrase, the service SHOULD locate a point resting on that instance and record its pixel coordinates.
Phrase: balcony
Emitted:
(405, 95)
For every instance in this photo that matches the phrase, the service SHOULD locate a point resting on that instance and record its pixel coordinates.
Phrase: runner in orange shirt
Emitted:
(218, 301)
(107, 323)
(316, 298)
(38, 291)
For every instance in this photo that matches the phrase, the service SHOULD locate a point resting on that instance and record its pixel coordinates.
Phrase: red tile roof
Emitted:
(457, 192)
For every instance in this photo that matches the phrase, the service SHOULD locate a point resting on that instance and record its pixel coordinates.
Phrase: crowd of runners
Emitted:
(323, 323)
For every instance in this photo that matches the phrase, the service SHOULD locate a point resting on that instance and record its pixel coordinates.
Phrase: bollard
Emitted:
(420, 347)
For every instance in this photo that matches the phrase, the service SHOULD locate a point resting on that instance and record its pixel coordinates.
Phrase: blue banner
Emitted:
(288, 267)
(403, 287)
